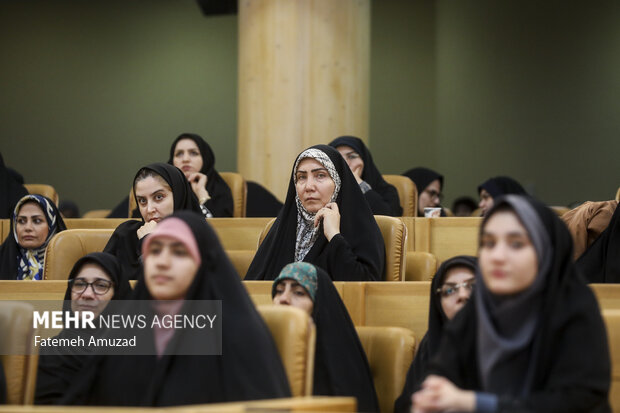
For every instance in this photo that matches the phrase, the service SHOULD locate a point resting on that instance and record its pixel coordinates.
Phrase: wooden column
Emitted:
(303, 79)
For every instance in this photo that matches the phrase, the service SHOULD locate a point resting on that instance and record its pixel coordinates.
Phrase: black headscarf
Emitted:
(356, 254)
(422, 177)
(11, 191)
(383, 197)
(565, 365)
(221, 202)
(429, 345)
(340, 363)
(261, 202)
(56, 371)
(502, 185)
(15, 261)
(601, 261)
(124, 242)
(249, 368)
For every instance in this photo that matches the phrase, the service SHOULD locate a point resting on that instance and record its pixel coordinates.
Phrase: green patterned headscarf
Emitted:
(302, 272)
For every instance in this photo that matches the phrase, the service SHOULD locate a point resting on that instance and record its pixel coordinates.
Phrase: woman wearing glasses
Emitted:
(429, 185)
(451, 288)
(94, 280)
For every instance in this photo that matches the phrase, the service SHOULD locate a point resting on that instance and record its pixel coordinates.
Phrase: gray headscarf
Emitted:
(307, 233)
(507, 324)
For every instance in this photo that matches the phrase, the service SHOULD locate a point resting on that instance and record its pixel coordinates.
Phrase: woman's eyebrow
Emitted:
(319, 169)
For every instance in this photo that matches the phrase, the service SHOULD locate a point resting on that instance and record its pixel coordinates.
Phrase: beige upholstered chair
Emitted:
(612, 322)
(16, 345)
(421, 266)
(239, 190)
(97, 213)
(43, 189)
(389, 351)
(407, 192)
(295, 338)
(66, 247)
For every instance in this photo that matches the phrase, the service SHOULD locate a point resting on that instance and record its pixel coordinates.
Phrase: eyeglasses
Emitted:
(449, 290)
(99, 286)
(434, 194)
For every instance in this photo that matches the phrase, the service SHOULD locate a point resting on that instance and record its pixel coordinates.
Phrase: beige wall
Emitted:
(92, 90)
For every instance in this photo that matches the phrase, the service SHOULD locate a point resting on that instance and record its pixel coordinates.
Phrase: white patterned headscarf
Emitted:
(307, 233)
(30, 261)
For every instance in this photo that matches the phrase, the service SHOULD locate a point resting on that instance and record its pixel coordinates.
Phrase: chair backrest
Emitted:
(394, 234)
(66, 247)
(43, 189)
(421, 266)
(97, 213)
(407, 192)
(18, 358)
(95, 223)
(389, 351)
(295, 338)
(612, 323)
(239, 189)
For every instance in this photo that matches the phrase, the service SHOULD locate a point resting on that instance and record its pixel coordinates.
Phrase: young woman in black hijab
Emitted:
(159, 190)
(601, 261)
(495, 187)
(11, 191)
(185, 264)
(532, 338)
(192, 155)
(429, 185)
(94, 280)
(35, 221)
(325, 221)
(381, 196)
(450, 290)
(340, 366)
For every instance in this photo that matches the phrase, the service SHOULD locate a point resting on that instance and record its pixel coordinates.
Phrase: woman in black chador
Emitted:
(193, 155)
(531, 339)
(495, 187)
(325, 221)
(381, 196)
(340, 363)
(185, 266)
(451, 288)
(94, 280)
(159, 190)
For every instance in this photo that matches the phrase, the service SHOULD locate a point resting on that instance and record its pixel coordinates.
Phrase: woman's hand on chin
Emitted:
(146, 229)
(198, 181)
(439, 394)
(330, 215)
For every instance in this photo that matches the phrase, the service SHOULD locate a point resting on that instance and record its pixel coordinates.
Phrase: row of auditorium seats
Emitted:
(406, 191)
(391, 318)
(414, 246)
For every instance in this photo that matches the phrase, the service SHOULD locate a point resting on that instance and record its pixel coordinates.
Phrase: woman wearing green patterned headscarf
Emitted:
(340, 364)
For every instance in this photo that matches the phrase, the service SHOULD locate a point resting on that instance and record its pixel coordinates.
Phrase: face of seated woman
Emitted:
(354, 160)
(456, 289)
(31, 226)
(507, 257)
(169, 269)
(187, 157)
(290, 292)
(313, 184)
(154, 198)
(91, 289)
